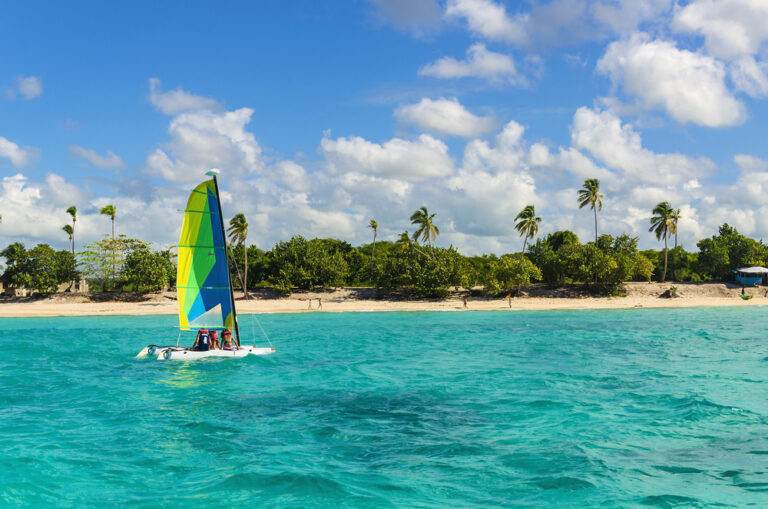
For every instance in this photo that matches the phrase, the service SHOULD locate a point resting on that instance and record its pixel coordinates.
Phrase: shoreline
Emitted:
(639, 296)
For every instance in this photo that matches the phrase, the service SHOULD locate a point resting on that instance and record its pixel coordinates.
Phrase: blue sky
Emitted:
(323, 115)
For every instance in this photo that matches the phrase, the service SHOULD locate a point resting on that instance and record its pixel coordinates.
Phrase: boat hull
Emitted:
(172, 353)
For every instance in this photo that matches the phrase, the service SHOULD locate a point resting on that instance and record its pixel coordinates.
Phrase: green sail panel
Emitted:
(202, 281)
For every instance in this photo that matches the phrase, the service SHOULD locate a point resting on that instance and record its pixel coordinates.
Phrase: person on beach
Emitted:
(226, 340)
(465, 303)
(319, 303)
(203, 341)
(310, 304)
(509, 300)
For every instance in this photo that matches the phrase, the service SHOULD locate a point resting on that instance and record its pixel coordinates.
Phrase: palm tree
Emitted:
(590, 194)
(404, 241)
(72, 211)
(373, 225)
(69, 231)
(427, 229)
(238, 232)
(109, 210)
(661, 225)
(528, 225)
(675, 219)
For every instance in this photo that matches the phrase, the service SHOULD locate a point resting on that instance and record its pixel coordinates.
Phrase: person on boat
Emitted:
(226, 340)
(203, 341)
(214, 340)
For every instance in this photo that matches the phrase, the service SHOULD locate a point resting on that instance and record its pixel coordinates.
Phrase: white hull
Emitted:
(173, 353)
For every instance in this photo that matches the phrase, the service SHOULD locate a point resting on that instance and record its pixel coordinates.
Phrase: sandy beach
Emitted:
(639, 295)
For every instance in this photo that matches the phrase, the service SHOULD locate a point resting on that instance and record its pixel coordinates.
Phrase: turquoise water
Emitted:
(661, 408)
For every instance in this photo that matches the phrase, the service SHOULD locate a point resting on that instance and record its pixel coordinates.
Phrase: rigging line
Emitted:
(253, 332)
(262, 330)
(179, 338)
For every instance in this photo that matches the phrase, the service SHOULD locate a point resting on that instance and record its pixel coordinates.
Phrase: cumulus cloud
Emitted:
(36, 210)
(444, 116)
(201, 140)
(110, 161)
(619, 146)
(556, 22)
(292, 175)
(177, 101)
(688, 85)
(493, 185)
(480, 63)
(489, 19)
(18, 156)
(731, 28)
(420, 159)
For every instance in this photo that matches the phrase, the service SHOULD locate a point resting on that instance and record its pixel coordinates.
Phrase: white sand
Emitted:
(639, 295)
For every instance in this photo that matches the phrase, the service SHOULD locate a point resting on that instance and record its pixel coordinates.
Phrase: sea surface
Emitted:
(609, 408)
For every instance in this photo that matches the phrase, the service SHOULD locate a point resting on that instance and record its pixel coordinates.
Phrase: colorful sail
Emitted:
(203, 289)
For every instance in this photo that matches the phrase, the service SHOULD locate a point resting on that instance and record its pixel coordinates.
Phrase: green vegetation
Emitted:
(412, 265)
(41, 269)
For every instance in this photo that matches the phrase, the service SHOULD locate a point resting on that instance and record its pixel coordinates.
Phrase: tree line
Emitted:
(412, 264)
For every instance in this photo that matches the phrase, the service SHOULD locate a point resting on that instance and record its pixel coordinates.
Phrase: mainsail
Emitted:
(203, 286)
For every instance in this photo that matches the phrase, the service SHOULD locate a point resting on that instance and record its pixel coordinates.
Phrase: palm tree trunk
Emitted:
(522, 254)
(73, 235)
(113, 228)
(245, 275)
(595, 211)
(675, 237)
(664, 276)
(373, 249)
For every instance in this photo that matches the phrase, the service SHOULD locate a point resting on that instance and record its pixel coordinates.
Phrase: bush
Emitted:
(508, 272)
(146, 271)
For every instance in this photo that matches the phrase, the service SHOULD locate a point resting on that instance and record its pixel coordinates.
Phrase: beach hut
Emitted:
(750, 276)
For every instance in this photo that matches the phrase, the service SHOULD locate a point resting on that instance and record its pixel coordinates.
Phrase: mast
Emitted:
(213, 173)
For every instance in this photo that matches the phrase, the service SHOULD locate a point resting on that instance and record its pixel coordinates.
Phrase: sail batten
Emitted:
(203, 279)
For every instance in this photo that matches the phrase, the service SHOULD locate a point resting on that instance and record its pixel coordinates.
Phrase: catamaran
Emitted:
(203, 285)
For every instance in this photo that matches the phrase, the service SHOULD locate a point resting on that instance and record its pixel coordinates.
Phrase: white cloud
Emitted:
(444, 116)
(750, 164)
(618, 146)
(36, 211)
(750, 76)
(624, 16)
(480, 202)
(29, 86)
(688, 85)
(177, 101)
(480, 63)
(19, 157)
(292, 175)
(489, 19)
(201, 140)
(110, 161)
(423, 158)
(539, 155)
(731, 28)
